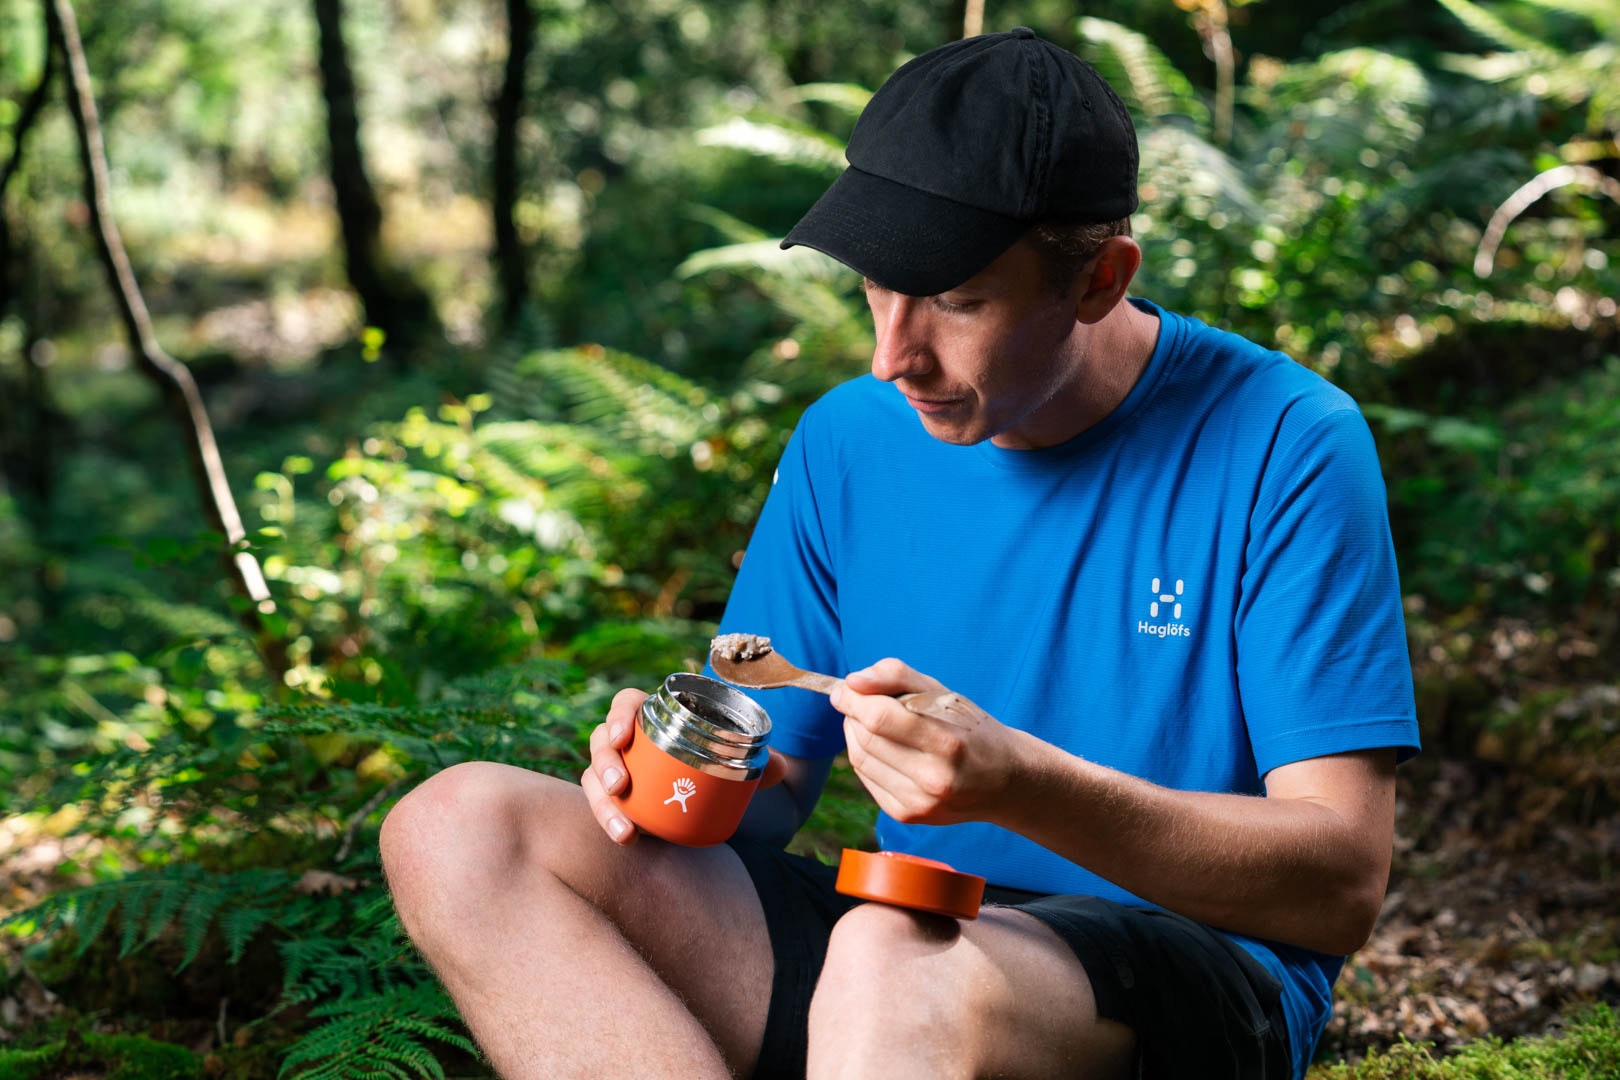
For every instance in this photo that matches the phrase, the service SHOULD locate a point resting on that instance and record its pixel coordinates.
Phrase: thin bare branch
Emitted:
(173, 377)
(1521, 200)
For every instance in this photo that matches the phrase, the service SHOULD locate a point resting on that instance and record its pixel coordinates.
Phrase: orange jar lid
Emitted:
(909, 881)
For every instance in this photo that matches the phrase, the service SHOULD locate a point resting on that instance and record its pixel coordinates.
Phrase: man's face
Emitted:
(998, 357)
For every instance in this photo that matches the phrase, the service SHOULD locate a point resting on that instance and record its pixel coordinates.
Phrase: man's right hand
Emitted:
(605, 775)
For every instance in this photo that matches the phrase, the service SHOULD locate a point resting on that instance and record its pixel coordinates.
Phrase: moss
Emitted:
(1588, 1047)
(113, 1057)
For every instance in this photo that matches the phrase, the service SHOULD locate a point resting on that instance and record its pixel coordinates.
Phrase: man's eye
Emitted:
(954, 305)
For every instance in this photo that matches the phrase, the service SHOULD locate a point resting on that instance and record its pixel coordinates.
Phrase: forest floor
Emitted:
(1500, 917)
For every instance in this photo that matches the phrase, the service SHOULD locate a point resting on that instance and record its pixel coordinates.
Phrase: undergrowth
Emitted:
(1587, 1049)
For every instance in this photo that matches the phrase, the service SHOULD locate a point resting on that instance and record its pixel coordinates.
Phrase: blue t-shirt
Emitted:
(1196, 590)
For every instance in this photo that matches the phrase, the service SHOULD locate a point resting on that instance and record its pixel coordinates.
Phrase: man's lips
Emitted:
(933, 405)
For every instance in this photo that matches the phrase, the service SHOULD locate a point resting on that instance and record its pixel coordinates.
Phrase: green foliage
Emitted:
(183, 898)
(584, 484)
(113, 1057)
(244, 804)
(1517, 510)
(1589, 1046)
(382, 1036)
(520, 714)
(1532, 61)
(1150, 85)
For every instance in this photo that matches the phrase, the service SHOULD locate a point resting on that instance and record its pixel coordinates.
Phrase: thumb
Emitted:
(890, 677)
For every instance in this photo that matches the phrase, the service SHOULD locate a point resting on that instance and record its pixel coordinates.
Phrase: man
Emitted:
(1154, 555)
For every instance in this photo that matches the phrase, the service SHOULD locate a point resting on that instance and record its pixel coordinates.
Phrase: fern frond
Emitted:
(135, 905)
(166, 617)
(733, 228)
(1603, 14)
(1337, 107)
(1495, 68)
(1187, 165)
(621, 408)
(798, 263)
(849, 98)
(1142, 75)
(182, 897)
(239, 925)
(513, 714)
(387, 1035)
(361, 957)
(778, 141)
(1495, 29)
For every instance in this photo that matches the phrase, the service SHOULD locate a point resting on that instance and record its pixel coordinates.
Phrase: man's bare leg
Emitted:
(909, 995)
(567, 954)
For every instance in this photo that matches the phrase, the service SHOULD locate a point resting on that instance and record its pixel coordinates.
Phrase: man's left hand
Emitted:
(940, 761)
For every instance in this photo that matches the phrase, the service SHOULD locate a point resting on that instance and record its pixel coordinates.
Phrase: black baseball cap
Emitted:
(965, 148)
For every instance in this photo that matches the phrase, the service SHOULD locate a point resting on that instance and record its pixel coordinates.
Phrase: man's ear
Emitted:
(1104, 284)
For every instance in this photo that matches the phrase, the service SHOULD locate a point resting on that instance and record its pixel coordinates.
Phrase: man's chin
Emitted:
(952, 432)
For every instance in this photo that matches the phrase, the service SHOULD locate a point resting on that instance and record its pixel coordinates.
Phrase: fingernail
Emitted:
(610, 779)
(837, 696)
(616, 732)
(617, 827)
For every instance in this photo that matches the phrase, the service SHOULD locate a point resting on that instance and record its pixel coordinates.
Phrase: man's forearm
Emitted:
(1302, 869)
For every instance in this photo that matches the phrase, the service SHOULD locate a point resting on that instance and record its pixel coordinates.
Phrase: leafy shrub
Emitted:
(1518, 510)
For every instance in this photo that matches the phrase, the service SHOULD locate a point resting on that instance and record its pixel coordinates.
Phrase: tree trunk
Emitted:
(392, 302)
(19, 139)
(30, 426)
(973, 18)
(171, 376)
(511, 261)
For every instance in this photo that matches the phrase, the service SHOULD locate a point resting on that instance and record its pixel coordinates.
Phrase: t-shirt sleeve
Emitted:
(1323, 664)
(786, 591)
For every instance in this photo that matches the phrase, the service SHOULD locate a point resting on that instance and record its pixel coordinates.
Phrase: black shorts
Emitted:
(1200, 1005)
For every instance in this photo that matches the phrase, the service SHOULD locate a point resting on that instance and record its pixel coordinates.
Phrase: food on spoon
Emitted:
(735, 647)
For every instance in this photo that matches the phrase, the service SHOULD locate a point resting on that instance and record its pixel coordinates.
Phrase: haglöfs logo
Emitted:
(1165, 607)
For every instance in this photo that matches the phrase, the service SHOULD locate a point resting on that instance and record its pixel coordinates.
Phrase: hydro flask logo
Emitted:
(1164, 610)
(684, 790)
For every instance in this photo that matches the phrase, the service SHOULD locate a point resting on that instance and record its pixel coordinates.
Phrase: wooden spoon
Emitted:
(767, 671)
(760, 667)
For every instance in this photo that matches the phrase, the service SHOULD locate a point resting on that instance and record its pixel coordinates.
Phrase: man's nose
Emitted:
(903, 348)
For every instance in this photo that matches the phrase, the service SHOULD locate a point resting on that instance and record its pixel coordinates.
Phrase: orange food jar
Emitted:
(696, 755)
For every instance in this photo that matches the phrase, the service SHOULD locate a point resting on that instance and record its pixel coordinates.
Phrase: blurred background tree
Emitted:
(485, 304)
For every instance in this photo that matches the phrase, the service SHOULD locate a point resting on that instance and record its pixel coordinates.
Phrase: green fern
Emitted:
(778, 140)
(1544, 70)
(361, 954)
(385, 1036)
(1150, 84)
(1495, 29)
(1603, 14)
(183, 898)
(514, 715)
(847, 98)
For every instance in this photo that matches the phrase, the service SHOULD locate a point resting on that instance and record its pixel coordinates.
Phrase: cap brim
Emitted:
(902, 238)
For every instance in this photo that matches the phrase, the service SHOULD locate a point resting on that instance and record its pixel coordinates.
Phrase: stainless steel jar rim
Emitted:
(695, 739)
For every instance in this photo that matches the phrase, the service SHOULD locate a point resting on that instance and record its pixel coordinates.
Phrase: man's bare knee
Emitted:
(461, 832)
(1002, 995)
(886, 983)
